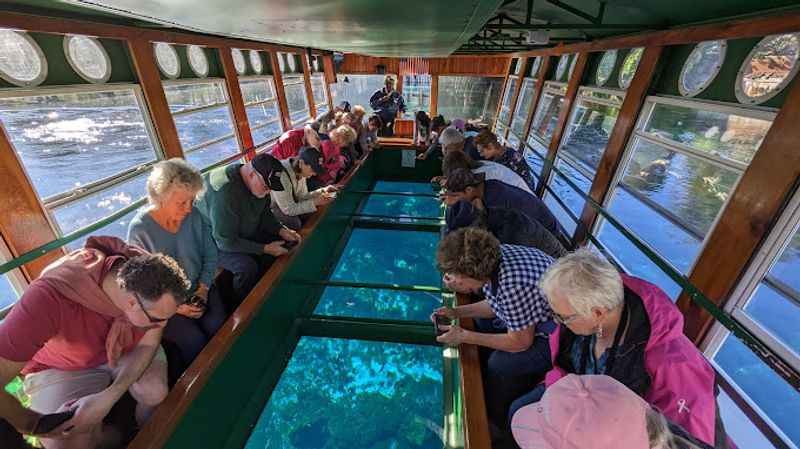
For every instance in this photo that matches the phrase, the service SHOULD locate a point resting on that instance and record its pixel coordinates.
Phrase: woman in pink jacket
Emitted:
(290, 142)
(334, 160)
(629, 329)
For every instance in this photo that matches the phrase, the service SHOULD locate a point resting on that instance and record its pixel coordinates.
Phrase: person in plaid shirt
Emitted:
(513, 320)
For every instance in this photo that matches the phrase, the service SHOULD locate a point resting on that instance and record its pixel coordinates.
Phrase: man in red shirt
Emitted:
(85, 332)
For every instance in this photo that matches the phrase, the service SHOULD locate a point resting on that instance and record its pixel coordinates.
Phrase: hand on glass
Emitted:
(289, 235)
(275, 248)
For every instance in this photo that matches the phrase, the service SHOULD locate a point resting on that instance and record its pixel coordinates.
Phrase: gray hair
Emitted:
(451, 135)
(169, 174)
(586, 279)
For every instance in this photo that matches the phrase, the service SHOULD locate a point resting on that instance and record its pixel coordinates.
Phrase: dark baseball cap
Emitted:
(312, 157)
(461, 178)
(270, 169)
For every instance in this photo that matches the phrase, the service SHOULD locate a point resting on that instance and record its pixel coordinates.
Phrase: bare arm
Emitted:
(511, 341)
(23, 419)
(479, 309)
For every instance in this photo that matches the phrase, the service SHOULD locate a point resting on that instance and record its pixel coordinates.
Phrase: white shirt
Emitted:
(499, 172)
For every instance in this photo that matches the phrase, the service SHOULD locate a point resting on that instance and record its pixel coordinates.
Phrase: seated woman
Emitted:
(333, 160)
(434, 148)
(290, 142)
(491, 150)
(368, 136)
(294, 203)
(510, 226)
(626, 328)
(173, 226)
(596, 412)
(492, 170)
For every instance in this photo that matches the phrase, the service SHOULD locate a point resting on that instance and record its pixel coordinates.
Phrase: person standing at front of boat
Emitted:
(85, 332)
(236, 203)
(513, 320)
(387, 103)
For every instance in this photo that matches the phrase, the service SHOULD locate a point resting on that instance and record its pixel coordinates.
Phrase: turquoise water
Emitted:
(372, 303)
(358, 395)
(414, 206)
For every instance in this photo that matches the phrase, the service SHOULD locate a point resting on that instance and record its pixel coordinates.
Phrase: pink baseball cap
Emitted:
(583, 412)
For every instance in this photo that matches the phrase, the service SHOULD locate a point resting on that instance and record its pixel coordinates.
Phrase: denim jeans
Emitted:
(247, 269)
(189, 335)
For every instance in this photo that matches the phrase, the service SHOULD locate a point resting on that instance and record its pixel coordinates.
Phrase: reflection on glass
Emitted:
(469, 97)
(523, 106)
(719, 134)
(546, 117)
(256, 90)
(410, 261)
(417, 93)
(356, 89)
(777, 399)
(606, 66)
(559, 212)
(535, 161)
(266, 133)
(318, 89)
(9, 296)
(629, 67)
(337, 394)
(88, 57)
(19, 59)
(211, 154)
(508, 96)
(372, 303)
(587, 133)
(565, 192)
(203, 126)
(83, 137)
(768, 67)
(188, 96)
(296, 98)
(701, 67)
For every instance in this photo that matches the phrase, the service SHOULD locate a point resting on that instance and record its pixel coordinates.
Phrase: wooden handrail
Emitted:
(168, 415)
(476, 421)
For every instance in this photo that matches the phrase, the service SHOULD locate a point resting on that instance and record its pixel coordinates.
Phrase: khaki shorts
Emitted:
(50, 389)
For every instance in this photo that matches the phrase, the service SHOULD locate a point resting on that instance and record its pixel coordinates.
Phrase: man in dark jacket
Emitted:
(387, 102)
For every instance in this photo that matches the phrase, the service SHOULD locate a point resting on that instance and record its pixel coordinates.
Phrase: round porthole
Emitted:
(315, 63)
(572, 67)
(606, 66)
(88, 58)
(537, 63)
(22, 62)
(561, 68)
(629, 66)
(281, 62)
(290, 62)
(167, 60)
(255, 61)
(238, 61)
(198, 60)
(701, 67)
(769, 67)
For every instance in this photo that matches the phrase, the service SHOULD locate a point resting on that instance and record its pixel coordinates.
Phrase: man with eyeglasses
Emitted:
(236, 202)
(85, 332)
(513, 320)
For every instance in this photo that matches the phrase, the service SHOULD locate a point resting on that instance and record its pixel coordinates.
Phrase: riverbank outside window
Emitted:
(469, 97)
(505, 106)
(319, 93)
(521, 111)
(261, 106)
(417, 93)
(543, 124)
(356, 89)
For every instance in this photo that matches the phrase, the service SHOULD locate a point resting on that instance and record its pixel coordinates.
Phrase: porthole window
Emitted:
(281, 62)
(198, 60)
(572, 67)
(537, 63)
(290, 62)
(88, 58)
(629, 66)
(22, 62)
(255, 61)
(769, 67)
(167, 60)
(238, 61)
(701, 67)
(562, 67)
(606, 66)
(315, 63)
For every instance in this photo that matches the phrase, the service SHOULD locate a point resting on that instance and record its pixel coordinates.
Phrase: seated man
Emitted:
(492, 170)
(509, 226)
(491, 150)
(85, 332)
(237, 204)
(462, 184)
(513, 320)
(452, 139)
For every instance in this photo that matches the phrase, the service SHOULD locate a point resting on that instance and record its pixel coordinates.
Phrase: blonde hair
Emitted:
(346, 133)
(169, 174)
(587, 281)
(359, 111)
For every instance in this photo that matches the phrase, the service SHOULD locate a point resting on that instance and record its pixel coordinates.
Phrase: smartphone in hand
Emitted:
(289, 244)
(441, 320)
(48, 423)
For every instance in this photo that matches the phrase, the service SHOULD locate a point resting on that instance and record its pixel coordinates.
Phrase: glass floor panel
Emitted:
(413, 206)
(372, 303)
(389, 257)
(345, 394)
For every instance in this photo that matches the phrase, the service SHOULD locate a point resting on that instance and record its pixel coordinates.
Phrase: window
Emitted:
(238, 61)
(291, 62)
(203, 117)
(167, 60)
(88, 58)
(606, 66)
(508, 97)
(544, 123)
(320, 95)
(86, 151)
(261, 106)
(523, 108)
(537, 64)
(682, 163)
(198, 60)
(469, 97)
(769, 67)
(22, 62)
(255, 61)
(629, 66)
(356, 89)
(11, 283)
(701, 67)
(417, 93)
(296, 99)
(561, 68)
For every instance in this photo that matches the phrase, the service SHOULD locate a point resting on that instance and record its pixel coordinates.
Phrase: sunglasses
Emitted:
(151, 318)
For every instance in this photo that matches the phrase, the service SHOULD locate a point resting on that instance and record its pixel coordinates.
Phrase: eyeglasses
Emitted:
(561, 319)
(144, 310)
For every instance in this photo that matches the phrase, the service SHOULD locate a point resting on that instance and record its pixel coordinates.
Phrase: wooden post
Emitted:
(765, 186)
(312, 108)
(617, 141)
(515, 98)
(277, 76)
(237, 102)
(434, 95)
(537, 94)
(23, 224)
(144, 62)
(563, 117)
